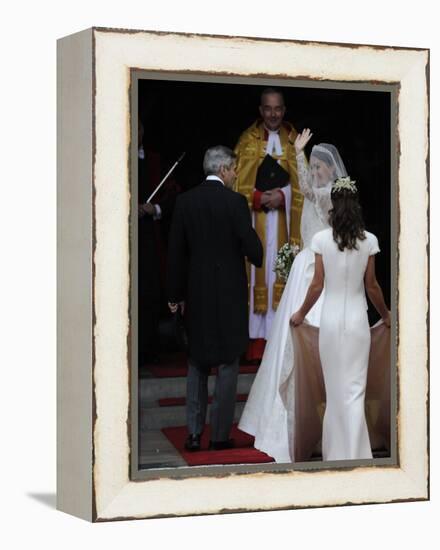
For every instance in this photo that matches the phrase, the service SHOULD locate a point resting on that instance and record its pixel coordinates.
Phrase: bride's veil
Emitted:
(317, 204)
(330, 155)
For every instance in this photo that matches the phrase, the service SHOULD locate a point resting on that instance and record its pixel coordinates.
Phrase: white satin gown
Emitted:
(344, 346)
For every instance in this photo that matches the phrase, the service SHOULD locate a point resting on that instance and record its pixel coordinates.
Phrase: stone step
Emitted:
(153, 389)
(156, 451)
(155, 418)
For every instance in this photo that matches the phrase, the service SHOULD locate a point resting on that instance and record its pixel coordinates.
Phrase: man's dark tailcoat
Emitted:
(211, 234)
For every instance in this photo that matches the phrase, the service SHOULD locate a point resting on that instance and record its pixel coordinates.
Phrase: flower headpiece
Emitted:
(344, 183)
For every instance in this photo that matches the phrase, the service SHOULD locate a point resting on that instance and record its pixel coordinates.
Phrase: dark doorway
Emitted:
(182, 116)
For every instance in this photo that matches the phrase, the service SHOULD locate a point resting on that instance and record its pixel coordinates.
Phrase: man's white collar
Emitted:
(274, 143)
(214, 177)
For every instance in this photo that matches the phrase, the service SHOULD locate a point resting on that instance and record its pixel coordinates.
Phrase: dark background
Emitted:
(191, 116)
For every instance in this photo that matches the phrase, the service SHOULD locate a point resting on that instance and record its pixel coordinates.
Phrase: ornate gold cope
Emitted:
(250, 151)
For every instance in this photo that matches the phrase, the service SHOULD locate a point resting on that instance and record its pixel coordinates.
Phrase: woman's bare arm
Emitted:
(374, 291)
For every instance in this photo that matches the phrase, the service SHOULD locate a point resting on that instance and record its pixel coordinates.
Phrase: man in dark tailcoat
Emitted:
(211, 235)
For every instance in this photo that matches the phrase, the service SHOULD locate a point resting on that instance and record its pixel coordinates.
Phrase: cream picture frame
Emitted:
(94, 394)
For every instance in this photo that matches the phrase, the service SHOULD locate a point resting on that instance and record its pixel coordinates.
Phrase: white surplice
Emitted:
(260, 323)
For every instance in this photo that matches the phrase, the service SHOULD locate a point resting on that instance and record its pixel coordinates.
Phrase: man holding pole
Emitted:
(156, 198)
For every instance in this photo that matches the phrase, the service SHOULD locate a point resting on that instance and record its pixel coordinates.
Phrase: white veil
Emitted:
(317, 201)
(330, 155)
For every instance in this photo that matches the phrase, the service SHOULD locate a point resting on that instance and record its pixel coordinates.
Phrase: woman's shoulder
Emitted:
(320, 238)
(371, 243)
(327, 230)
(370, 237)
(326, 233)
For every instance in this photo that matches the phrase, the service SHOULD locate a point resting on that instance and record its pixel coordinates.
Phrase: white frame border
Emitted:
(115, 496)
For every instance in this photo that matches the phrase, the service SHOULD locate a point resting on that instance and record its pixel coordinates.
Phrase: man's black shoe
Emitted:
(221, 445)
(192, 442)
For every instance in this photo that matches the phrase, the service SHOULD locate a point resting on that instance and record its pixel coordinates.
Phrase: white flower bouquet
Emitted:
(284, 260)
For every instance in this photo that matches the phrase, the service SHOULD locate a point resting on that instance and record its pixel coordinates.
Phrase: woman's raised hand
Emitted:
(302, 139)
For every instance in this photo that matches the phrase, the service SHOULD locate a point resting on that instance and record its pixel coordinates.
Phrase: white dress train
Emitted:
(265, 415)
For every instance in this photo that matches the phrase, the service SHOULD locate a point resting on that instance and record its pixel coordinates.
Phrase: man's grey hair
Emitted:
(216, 158)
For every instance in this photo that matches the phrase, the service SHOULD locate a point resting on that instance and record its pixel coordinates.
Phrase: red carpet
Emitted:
(242, 453)
(255, 349)
(167, 371)
(174, 401)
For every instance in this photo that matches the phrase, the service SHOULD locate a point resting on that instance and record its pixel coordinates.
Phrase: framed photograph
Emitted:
(137, 112)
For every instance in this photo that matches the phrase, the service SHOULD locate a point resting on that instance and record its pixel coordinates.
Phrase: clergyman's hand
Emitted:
(276, 199)
(265, 198)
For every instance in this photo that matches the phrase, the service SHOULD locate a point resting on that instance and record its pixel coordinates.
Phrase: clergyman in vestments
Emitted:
(276, 208)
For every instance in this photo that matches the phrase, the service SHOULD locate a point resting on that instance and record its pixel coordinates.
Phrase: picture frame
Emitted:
(96, 477)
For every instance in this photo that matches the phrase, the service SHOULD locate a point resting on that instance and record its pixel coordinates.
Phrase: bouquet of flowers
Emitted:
(284, 260)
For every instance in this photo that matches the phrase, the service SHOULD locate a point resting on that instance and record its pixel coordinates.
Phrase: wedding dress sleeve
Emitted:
(323, 202)
(304, 181)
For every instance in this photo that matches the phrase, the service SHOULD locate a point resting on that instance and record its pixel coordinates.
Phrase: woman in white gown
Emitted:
(267, 415)
(344, 263)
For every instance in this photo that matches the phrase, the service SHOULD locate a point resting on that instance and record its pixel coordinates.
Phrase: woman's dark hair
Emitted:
(346, 219)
